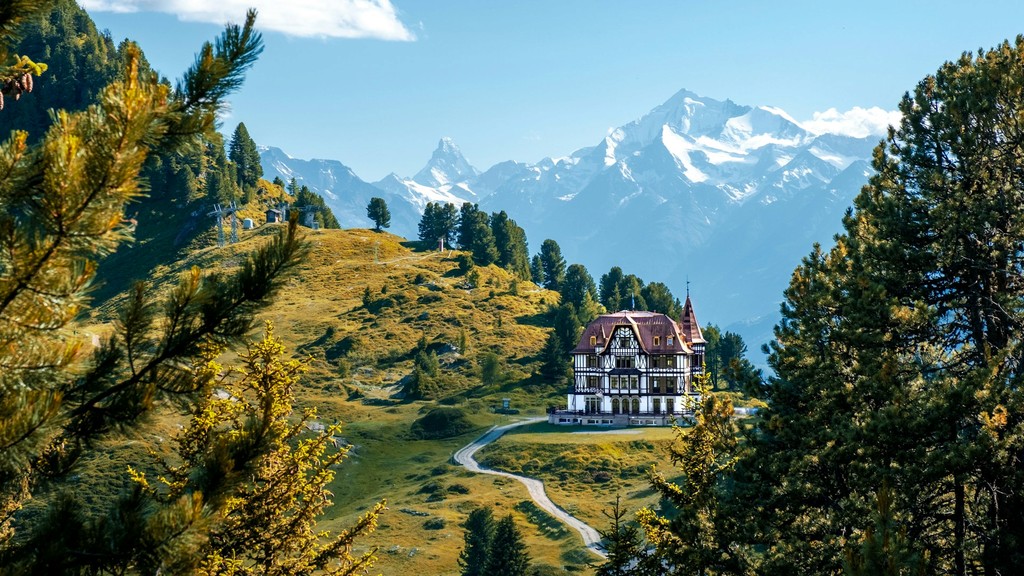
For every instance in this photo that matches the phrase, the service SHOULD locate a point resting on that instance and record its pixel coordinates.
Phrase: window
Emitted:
(623, 362)
(633, 383)
(591, 361)
(593, 340)
(657, 340)
(668, 340)
(668, 361)
(656, 385)
(592, 382)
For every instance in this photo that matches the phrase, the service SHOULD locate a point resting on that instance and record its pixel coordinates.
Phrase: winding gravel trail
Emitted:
(535, 487)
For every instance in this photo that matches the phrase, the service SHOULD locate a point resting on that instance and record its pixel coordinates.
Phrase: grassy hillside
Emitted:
(360, 357)
(360, 308)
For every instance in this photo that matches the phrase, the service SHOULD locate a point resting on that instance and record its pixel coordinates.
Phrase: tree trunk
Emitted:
(959, 519)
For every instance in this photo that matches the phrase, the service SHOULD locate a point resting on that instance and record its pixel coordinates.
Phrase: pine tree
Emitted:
(553, 264)
(726, 363)
(323, 215)
(377, 211)
(611, 290)
(60, 33)
(439, 221)
(699, 537)
(507, 554)
(221, 178)
(510, 240)
(63, 205)
(243, 152)
(477, 542)
(266, 500)
(563, 338)
(898, 357)
(624, 545)
(537, 270)
(490, 368)
(658, 298)
(484, 250)
(578, 284)
(467, 225)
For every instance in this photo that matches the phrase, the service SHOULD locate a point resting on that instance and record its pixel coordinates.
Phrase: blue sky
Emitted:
(375, 84)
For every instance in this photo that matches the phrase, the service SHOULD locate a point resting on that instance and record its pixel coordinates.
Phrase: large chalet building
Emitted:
(634, 368)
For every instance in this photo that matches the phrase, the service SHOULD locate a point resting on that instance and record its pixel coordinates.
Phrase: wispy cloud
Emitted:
(857, 122)
(305, 18)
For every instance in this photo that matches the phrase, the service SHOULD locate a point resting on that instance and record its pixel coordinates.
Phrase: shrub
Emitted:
(441, 423)
(434, 524)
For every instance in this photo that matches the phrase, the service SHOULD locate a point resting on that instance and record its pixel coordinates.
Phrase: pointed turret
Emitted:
(690, 330)
(688, 326)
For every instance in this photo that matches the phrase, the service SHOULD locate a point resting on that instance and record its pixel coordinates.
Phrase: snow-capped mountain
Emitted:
(343, 191)
(447, 167)
(727, 195)
(445, 179)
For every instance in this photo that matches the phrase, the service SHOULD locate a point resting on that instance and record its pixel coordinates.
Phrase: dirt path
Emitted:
(535, 487)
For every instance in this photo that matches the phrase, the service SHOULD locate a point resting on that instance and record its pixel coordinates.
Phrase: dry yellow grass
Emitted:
(358, 356)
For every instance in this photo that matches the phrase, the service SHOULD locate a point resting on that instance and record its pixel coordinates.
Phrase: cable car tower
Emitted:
(219, 213)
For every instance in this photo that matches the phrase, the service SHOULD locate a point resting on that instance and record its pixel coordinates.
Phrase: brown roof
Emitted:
(645, 326)
(688, 325)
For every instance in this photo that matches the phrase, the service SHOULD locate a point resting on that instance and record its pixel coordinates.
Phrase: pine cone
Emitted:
(12, 88)
(1, 100)
(26, 82)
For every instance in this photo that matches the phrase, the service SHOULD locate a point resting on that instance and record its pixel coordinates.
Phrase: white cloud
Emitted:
(305, 18)
(857, 122)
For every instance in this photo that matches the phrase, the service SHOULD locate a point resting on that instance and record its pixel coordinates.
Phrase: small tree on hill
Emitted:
(562, 339)
(507, 554)
(490, 368)
(553, 264)
(577, 284)
(537, 270)
(624, 544)
(477, 538)
(268, 500)
(438, 221)
(697, 538)
(377, 211)
(242, 151)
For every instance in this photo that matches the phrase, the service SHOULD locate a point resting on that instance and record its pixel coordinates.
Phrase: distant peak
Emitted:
(447, 165)
(683, 95)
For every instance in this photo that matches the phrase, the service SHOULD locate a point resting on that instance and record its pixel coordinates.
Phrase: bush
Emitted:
(429, 298)
(434, 524)
(441, 423)
(431, 487)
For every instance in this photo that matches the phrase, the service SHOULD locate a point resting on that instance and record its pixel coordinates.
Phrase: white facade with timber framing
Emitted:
(634, 368)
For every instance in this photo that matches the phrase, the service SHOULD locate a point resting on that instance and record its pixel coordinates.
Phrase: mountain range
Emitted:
(712, 195)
